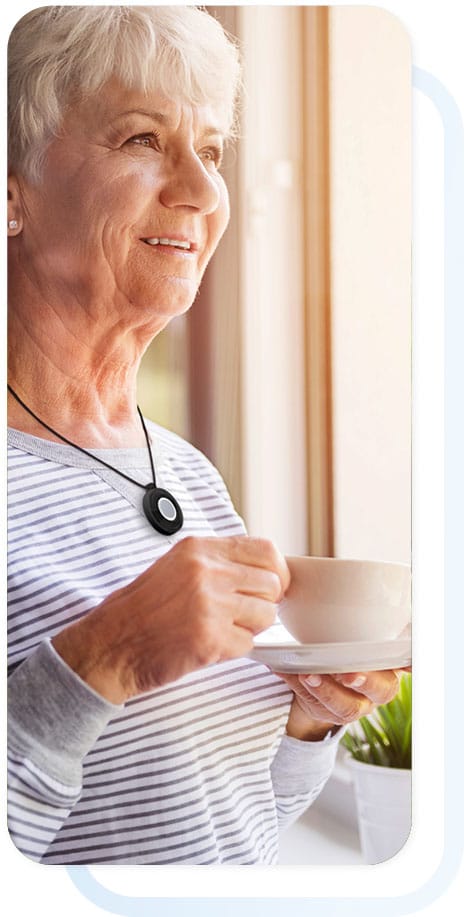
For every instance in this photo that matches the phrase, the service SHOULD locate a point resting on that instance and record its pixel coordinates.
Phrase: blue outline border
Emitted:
(454, 514)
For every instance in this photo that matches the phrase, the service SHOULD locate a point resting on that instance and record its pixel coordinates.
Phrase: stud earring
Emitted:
(12, 224)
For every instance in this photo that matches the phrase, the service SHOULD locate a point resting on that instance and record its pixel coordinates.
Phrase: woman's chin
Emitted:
(176, 300)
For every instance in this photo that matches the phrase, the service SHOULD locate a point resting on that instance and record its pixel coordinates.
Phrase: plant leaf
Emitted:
(384, 737)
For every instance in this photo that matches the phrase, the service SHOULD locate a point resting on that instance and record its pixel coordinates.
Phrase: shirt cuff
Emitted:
(54, 717)
(299, 765)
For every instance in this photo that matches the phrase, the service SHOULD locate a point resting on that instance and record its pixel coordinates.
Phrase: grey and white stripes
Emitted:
(197, 772)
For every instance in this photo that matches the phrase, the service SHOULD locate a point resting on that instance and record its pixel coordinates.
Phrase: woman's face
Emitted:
(128, 168)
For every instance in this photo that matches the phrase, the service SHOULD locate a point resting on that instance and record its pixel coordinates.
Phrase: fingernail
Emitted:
(313, 681)
(357, 682)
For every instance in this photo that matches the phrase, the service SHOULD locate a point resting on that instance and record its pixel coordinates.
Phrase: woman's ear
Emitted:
(15, 222)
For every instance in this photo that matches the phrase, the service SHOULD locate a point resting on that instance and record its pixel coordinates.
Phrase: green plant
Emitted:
(384, 737)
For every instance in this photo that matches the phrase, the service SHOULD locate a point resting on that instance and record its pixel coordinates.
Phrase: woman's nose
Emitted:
(189, 184)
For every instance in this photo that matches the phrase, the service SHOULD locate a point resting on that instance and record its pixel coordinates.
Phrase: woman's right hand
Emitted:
(201, 603)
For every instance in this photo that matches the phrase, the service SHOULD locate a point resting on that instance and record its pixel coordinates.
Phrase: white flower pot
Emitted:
(383, 801)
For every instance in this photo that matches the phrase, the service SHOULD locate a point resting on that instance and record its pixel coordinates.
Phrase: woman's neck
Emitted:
(82, 384)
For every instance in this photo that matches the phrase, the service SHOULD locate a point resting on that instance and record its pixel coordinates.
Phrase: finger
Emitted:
(239, 643)
(256, 581)
(379, 687)
(317, 711)
(291, 680)
(253, 614)
(308, 702)
(257, 552)
(340, 701)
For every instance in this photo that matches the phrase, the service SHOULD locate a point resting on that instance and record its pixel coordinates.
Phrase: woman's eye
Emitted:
(212, 154)
(150, 140)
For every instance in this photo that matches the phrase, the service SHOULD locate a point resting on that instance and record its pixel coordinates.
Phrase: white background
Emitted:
(436, 36)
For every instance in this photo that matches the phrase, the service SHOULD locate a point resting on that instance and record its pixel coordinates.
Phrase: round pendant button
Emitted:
(162, 510)
(167, 509)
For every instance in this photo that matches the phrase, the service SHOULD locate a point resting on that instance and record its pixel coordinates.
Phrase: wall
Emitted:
(371, 277)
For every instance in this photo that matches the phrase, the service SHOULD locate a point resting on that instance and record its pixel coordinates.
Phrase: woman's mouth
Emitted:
(184, 245)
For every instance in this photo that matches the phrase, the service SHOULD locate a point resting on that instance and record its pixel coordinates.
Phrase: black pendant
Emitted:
(162, 510)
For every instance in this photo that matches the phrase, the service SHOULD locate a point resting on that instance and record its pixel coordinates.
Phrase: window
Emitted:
(292, 370)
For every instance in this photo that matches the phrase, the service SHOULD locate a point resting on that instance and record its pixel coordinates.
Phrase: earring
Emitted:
(12, 224)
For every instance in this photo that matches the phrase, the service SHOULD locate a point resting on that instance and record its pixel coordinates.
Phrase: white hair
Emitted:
(58, 54)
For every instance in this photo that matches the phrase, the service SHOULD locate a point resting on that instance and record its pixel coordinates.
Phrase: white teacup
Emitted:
(331, 600)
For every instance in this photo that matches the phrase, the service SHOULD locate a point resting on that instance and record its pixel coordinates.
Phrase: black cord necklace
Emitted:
(160, 507)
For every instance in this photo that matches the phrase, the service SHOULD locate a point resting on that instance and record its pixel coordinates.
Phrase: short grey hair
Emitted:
(58, 54)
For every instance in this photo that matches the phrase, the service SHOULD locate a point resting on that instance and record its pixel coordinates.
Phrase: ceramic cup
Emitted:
(331, 600)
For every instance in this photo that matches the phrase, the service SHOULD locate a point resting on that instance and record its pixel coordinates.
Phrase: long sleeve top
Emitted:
(197, 772)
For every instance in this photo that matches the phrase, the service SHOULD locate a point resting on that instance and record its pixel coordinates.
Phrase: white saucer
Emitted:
(277, 649)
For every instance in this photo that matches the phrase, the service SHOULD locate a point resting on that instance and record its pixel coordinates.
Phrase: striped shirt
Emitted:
(197, 772)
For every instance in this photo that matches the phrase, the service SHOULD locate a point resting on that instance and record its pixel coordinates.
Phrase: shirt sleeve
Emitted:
(54, 719)
(299, 772)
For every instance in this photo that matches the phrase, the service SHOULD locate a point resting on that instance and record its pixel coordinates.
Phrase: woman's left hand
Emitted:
(322, 702)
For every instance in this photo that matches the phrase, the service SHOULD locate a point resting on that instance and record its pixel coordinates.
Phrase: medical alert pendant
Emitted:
(162, 510)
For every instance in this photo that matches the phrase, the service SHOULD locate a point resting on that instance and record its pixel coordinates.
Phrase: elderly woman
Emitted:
(139, 730)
